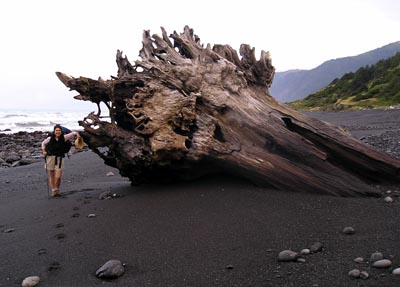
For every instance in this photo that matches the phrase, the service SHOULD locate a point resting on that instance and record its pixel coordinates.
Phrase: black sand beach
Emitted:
(218, 231)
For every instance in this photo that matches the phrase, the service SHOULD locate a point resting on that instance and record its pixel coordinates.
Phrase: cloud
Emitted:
(80, 38)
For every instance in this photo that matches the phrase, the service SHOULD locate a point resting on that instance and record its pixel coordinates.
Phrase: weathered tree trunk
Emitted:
(186, 110)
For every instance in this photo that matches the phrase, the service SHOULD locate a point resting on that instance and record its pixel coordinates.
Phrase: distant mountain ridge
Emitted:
(292, 85)
(375, 86)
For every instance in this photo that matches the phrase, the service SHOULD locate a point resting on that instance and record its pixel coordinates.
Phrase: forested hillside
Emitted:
(297, 84)
(375, 86)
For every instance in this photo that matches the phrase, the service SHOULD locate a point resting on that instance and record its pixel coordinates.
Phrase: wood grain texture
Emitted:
(185, 111)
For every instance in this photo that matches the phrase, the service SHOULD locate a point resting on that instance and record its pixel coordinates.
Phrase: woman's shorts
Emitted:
(54, 163)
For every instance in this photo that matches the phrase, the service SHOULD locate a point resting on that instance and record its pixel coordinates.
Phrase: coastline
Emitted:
(379, 128)
(217, 231)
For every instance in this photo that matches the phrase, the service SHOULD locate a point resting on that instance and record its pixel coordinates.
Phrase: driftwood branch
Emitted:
(185, 110)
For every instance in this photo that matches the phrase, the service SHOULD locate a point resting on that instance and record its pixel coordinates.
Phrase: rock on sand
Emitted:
(30, 281)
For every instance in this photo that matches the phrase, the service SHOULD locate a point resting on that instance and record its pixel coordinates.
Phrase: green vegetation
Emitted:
(376, 86)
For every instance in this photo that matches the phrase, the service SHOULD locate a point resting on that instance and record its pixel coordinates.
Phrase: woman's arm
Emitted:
(71, 135)
(44, 144)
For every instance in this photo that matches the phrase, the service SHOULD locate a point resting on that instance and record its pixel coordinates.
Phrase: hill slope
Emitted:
(369, 87)
(298, 84)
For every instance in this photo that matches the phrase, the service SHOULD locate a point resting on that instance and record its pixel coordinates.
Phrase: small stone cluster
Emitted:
(22, 148)
(292, 256)
(112, 269)
(388, 142)
(377, 259)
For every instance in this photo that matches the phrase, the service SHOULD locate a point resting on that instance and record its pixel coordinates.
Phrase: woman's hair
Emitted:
(57, 126)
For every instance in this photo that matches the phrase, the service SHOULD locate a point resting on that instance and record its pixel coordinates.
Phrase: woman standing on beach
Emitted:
(53, 150)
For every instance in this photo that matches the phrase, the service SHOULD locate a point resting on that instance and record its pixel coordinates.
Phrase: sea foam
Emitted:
(12, 121)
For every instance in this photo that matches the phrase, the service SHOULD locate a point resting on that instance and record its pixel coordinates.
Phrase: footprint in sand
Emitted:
(54, 266)
(60, 236)
(76, 214)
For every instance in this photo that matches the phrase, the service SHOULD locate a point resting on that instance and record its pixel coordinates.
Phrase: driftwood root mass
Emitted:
(185, 111)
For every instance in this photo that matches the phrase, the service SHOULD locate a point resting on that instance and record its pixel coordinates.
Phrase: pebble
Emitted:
(316, 247)
(301, 260)
(388, 199)
(348, 230)
(287, 256)
(9, 230)
(396, 271)
(364, 275)
(108, 195)
(359, 260)
(110, 173)
(105, 195)
(30, 281)
(305, 251)
(110, 270)
(91, 215)
(376, 256)
(355, 273)
(384, 263)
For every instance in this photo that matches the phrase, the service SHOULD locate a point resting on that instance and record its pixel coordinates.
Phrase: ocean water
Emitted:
(12, 121)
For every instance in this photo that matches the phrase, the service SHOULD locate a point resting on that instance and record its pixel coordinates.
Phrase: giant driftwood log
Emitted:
(185, 110)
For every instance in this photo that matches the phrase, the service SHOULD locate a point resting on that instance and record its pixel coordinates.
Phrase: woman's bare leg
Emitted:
(58, 179)
(52, 179)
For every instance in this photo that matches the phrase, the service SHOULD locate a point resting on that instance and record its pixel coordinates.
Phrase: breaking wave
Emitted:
(12, 121)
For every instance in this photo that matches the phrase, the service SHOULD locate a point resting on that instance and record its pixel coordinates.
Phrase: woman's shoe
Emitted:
(56, 192)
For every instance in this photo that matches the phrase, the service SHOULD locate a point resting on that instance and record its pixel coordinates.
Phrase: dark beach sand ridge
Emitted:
(218, 231)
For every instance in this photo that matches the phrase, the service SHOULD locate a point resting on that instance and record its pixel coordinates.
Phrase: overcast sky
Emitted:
(80, 38)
